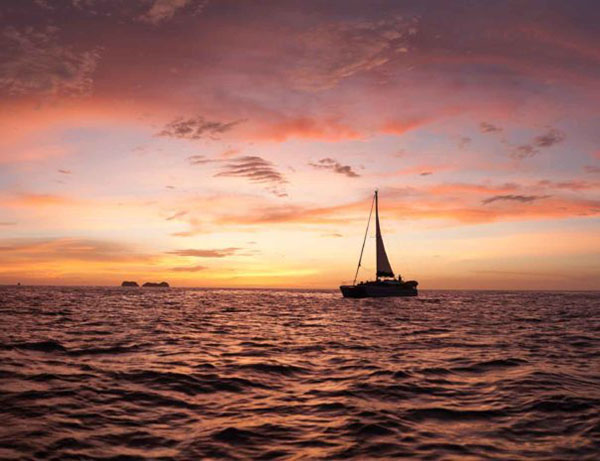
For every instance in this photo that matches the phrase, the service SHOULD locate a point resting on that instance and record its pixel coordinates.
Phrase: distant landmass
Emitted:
(128, 283)
(131, 283)
(156, 285)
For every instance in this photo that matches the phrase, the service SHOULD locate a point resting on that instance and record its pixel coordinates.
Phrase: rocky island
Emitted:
(156, 285)
(128, 283)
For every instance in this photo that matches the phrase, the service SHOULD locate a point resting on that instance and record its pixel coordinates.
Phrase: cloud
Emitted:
(552, 137)
(42, 4)
(514, 198)
(34, 63)
(189, 233)
(426, 173)
(197, 128)
(64, 171)
(287, 214)
(524, 151)
(215, 253)
(38, 200)
(163, 10)
(196, 227)
(83, 3)
(188, 268)
(421, 210)
(331, 164)
(486, 127)
(179, 214)
(464, 142)
(255, 169)
(229, 153)
(8, 223)
(591, 169)
(332, 235)
(307, 128)
(399, 127)
(548, 139)
(573, 184)
(336, 51)
(462, 189)
(31, 152)
(198, 160)
(418, 169)
(68, 249)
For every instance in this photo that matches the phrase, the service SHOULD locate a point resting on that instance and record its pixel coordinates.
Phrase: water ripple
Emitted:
(95, 373)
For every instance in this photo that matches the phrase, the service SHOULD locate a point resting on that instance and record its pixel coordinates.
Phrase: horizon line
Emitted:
(7, 285)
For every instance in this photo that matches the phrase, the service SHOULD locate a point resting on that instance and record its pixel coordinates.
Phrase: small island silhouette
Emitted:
(128, 283)
(155, 285)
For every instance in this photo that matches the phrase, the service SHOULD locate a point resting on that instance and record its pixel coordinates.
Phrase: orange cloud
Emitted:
(38, 200)
(460, 188)
(549, 208)
(399, 127)
(307, 128)
(69, 249)
(426, 209)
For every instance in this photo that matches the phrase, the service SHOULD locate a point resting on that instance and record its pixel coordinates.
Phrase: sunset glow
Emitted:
(215, 143)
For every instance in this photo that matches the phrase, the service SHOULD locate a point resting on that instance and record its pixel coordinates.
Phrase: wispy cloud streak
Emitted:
(514, 198)
(255, 169)
(212, 253)
(335, 166)
(197, 128)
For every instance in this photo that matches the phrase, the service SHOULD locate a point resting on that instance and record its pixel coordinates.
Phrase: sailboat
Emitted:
(385, 284)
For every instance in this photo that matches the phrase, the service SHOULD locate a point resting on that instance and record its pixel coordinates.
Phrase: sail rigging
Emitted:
(384, 269)
(362, 250)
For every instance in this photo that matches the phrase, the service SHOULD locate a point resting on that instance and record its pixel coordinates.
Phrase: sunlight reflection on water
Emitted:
(96, 372)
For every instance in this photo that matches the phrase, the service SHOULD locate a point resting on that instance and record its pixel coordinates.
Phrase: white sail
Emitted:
(384, 269)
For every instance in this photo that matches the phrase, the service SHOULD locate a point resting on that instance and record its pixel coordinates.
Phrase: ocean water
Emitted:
(99, 373)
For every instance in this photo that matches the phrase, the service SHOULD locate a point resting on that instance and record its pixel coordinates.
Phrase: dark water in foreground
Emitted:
(189, 374)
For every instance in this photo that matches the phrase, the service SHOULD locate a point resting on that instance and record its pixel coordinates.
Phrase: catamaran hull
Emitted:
(376, 291)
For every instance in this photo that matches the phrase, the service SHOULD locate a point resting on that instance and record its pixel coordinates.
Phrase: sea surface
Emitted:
(112, 373)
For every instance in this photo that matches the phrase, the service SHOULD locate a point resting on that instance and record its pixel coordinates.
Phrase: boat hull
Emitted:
(379, 290)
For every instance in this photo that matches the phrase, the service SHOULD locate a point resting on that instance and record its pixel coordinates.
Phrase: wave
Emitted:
(271, 368)
(254, 435)
(448, 414)
(55, 346)
(189, 384)
(40, 346)
(562, 403)
(490, 365)
(110, 350)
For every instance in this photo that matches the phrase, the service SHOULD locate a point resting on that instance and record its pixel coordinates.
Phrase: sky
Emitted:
(237, 143)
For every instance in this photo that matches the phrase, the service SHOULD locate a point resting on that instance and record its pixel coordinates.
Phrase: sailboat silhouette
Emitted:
(385, 284)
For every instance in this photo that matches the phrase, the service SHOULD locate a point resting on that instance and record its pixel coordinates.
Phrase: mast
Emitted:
(384, 269)
(364, 240)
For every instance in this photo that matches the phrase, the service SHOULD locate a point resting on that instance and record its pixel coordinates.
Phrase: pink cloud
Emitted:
(307, 128)
(402, 126)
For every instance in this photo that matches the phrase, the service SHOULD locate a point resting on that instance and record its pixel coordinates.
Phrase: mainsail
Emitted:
(384, 269)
